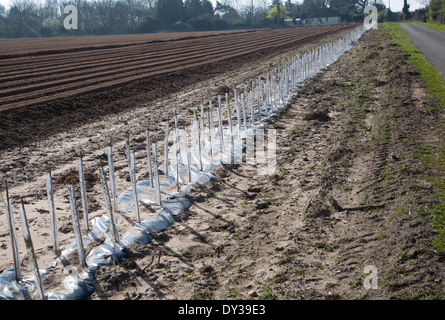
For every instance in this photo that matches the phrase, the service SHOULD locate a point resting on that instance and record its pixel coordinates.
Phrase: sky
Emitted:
(396, 5)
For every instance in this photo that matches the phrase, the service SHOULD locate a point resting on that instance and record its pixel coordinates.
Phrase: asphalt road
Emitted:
(430, 42)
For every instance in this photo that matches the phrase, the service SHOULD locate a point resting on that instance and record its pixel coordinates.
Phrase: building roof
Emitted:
(325, 12)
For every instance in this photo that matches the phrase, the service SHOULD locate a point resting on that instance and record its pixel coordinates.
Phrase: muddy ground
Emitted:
(25, 167)
(348, 193)
(56, 91)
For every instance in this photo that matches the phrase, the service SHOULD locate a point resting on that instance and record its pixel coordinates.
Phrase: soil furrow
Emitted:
(123, 65)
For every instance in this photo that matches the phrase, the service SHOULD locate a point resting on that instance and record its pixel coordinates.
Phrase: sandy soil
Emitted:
(345, 194)
(25, 167)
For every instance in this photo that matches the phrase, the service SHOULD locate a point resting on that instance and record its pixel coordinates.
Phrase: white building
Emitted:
(324, 16)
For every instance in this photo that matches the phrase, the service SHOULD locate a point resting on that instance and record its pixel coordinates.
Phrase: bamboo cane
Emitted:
(52, 211)
(166, 149)
(244, 113)
(150, 169)
(252, 112)
(211, 128)
(83, 193)
(229, 116)
(259, 100)
(238, 113)
(106, 192)
(176, 160)
(176, 150)
(135, 191)
(265, 103)
(201, 125)
(196, 121)
(31, 254)
(156, 175)
(238, 116)
(221, 131)
(187, 155)
(79, 240)
(12, 236)
(127, 153)
(112, 178)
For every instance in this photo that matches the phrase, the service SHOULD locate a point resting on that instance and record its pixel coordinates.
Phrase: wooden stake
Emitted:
(156, 175)
(135, 191)
(176, 160)
(166, 150)
(202, 125)
(252, 112)
(106, 191)
(244, 112)
(265, 104)
(176, 150)
(187, 155)
(128, 152)
(211, 129)
(200, 136)
(221, 131)
(231, 129)
(31, 253)
(259, 99)
(150, 169)
(112, 179)
(238, 113)
(177, 130)
(52, 211)
(83, 193)
(238, 116)
(12, 236)
(196, 126)
(79, 240)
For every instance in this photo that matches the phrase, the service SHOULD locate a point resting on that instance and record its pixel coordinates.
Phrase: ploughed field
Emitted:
(51, 85)
(43, 70)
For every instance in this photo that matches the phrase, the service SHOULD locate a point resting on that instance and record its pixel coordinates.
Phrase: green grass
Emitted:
(431, 159)
(436, 26)
(436, 162)
(434, 82)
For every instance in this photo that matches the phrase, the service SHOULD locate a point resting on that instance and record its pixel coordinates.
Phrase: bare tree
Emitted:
(361, 5)
(424, 3)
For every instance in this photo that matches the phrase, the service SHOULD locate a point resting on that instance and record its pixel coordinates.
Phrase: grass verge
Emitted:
(434, 160)
(434, 82)
(437, 26)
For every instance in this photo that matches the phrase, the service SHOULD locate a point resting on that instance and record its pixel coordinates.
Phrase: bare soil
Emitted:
(57, 137)
(47, 91)
(347, 192)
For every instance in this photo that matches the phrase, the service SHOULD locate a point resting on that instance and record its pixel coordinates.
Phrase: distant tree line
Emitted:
(436, 11)
(32, 18)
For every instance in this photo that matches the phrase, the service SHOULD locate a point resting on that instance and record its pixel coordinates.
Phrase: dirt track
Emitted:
(43, 92)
